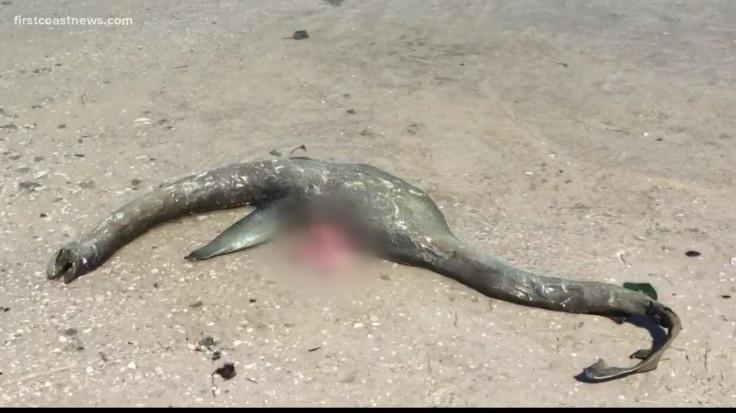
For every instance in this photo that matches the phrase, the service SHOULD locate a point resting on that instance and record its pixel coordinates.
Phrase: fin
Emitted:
(254, 229)
(601, 371)
(641, 354)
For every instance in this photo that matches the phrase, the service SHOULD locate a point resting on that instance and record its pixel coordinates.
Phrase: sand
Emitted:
(591, 140)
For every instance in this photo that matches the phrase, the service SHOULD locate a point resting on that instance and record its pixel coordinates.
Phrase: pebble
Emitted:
(207, 341)
(29, 186)
(300, 35)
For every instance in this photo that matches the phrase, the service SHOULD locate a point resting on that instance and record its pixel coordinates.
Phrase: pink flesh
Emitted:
(325, 246)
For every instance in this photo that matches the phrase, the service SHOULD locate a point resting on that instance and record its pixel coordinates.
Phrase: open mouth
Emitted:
(62, 266)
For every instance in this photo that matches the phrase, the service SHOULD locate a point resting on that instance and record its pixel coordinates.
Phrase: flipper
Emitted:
(255, 228)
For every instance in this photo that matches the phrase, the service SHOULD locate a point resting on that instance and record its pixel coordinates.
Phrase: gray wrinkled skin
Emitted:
(404, 223)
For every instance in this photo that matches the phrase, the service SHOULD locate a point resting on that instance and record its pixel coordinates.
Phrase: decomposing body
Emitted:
(385, 214)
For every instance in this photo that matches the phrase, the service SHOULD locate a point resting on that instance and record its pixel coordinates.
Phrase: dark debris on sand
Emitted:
(227, 371)
(300, 35)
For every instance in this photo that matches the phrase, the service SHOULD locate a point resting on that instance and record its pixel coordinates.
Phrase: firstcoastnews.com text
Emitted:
(72, 21)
